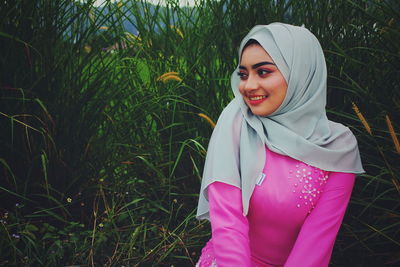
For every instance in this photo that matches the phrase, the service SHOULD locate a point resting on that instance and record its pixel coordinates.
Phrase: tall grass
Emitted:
(101, 156)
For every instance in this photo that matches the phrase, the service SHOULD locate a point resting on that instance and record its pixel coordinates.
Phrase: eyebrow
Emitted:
(255, 66)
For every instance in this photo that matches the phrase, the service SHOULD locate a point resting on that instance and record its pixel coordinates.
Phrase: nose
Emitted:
(251, 84)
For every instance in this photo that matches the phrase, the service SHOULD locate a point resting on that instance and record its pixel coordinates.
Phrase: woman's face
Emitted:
(262, 85)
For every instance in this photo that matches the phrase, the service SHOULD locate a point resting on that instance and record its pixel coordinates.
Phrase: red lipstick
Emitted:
(256, 99)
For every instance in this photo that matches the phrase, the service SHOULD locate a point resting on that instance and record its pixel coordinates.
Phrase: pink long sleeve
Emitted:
(294, 215)
(314, 244)
(229, 227)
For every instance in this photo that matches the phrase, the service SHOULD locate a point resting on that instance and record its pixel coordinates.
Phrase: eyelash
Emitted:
(241, 74)
(260, 72)
(263, 70)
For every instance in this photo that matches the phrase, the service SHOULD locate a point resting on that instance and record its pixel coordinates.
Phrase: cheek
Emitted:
(283, 86)
(282, 82)
(278, 85)
(241, 86)
(273, 82)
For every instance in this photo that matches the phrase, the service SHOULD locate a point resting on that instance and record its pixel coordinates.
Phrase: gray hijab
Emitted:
(299, 128)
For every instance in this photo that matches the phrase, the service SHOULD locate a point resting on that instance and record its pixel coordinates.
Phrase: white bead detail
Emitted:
(312, 187)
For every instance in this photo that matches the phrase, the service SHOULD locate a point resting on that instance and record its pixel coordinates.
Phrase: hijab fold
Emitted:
(299, 128)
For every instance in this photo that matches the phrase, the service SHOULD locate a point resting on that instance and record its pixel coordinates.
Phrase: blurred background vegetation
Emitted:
(101, 156)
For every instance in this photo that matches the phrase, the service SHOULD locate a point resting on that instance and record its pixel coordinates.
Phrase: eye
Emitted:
(242, 75)
(263, 72)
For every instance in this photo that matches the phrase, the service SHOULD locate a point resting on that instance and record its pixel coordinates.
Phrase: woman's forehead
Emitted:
(254, 53)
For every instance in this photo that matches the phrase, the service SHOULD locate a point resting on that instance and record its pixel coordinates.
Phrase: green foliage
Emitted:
(101, 159)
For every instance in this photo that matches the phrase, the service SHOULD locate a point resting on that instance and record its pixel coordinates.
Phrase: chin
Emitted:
(260, 113)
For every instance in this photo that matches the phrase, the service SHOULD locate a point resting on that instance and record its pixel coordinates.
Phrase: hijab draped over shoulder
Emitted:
(299, 128)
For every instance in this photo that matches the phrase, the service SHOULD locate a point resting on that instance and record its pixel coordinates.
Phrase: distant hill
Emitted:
(130, 21)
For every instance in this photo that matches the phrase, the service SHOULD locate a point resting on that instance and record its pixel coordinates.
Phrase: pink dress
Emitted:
(294, 216)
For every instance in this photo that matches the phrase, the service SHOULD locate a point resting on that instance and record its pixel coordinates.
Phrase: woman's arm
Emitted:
(229, 226)
(314, 244)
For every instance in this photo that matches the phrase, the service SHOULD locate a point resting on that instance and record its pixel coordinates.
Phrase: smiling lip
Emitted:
(256, 99)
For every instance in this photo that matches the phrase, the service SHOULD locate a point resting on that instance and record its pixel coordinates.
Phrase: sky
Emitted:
(162, 2)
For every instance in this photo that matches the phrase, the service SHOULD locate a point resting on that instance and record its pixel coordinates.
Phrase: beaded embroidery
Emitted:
(202, 263)
(308, 182)
(207, 258)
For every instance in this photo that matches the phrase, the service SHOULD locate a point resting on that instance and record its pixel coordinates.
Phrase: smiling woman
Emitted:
(278, 174)
(262, 85)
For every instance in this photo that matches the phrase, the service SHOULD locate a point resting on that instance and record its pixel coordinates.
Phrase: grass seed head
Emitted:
(177, 30)
(393, 134)
(208, 119)
(362, 118)
(173, 75)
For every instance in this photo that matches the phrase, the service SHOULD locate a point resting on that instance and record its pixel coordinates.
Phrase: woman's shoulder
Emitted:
(343, 130)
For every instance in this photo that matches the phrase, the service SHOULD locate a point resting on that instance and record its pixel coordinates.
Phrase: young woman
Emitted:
(278, 174)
